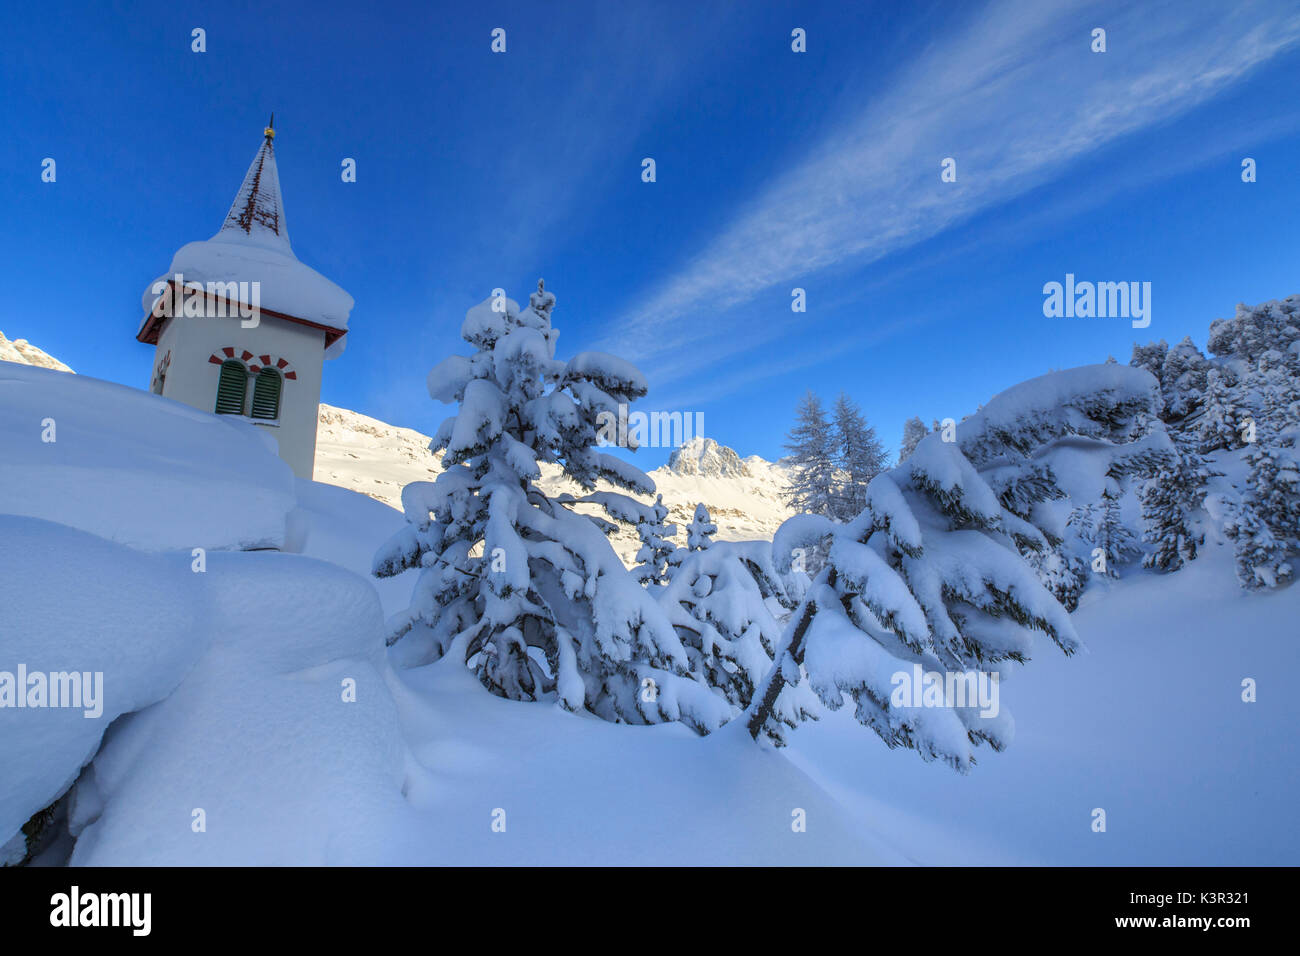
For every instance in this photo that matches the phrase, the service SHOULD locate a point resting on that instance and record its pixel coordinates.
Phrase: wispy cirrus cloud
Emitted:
(1014, 95)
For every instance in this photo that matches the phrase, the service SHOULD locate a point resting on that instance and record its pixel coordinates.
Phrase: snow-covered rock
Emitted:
(704, 456)
(22, 352)
(250, 685)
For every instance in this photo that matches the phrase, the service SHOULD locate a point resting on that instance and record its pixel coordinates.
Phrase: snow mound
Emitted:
(136, 468)
(74, 602)
(291, 770)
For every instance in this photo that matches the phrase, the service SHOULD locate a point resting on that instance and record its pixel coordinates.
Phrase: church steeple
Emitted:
(242, 327)
(258, 210)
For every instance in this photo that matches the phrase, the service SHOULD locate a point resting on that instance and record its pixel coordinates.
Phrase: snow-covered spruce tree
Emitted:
(1256, 329)
(1262, 558)
(721, 602)
(1265, 525)
(1150, 357)
(811, 444)
(1182, 381)
(1170, 501)
(656, 551)
(1103, 533)
(1219, 425)
(700, 532)
(1021, 488)
(859, 457)
(1114, 410)
(530, 595)
(924, 580)
(913, 431)
(1065, 575)
(1273, 392)
(929, 576)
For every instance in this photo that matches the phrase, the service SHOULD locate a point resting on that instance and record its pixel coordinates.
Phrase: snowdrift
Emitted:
(73, 602)
(136, 468)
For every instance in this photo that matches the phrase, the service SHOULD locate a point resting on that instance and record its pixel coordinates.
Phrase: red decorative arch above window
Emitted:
(160, 374)
(255, 363)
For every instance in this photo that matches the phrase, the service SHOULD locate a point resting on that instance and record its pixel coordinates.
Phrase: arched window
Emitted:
(266, 394)
(231, 388)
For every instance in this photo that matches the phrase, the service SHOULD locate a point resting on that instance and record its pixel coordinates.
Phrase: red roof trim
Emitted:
(153, 324)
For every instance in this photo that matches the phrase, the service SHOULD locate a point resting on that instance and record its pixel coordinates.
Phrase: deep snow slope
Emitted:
(1149, 725)
(576, 790)
(262, 738)
(364, 454)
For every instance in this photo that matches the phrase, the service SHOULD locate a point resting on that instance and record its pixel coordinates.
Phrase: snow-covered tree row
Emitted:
(934, 576)
(948, 565)
(1238, 410)
(1226, 469)
(833, 459)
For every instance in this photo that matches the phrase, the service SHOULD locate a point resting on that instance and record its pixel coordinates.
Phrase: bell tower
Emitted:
(242, 328)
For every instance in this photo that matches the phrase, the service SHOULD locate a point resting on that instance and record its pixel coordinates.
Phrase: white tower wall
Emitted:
(191, 377)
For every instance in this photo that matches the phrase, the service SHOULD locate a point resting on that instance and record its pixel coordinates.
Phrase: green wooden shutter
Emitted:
(266, 394)
(231, 388)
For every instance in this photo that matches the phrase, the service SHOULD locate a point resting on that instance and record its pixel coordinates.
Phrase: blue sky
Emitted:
(775, 169)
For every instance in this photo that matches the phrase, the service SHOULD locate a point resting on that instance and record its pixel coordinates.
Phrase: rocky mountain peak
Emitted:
(704, 456)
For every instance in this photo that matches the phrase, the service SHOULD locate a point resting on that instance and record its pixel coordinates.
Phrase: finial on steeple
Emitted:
(257, 207)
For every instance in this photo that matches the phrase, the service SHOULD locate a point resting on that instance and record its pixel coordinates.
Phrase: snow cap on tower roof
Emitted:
(258, 210)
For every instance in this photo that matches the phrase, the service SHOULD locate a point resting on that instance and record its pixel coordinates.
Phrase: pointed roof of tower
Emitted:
(258, 210)
(252, 247)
